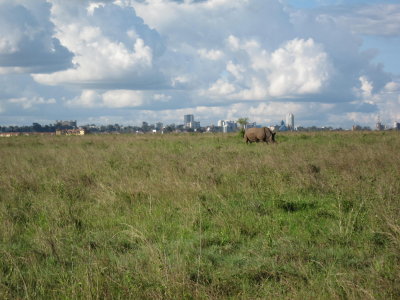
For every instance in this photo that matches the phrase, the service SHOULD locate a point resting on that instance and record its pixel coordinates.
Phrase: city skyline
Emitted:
(330, 63)
(189, 123)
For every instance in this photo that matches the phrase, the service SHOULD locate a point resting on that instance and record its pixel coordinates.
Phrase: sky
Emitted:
(329, 62)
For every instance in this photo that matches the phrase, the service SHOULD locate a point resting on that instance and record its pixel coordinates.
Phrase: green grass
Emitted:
(200, 216)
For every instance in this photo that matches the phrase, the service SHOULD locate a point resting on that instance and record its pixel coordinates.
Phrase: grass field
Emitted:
(200, 216)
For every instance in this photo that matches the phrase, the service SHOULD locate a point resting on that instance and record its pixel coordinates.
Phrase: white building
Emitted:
(187, 119)
(227, 126)
(290, 121)
(193, 125)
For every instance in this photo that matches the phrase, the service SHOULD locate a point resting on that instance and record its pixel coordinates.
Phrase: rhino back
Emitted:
(254, 134)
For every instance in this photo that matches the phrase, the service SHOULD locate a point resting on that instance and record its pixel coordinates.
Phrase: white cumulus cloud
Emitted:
(113, 47)
(26, 102)
(299, 67)
(109, 99)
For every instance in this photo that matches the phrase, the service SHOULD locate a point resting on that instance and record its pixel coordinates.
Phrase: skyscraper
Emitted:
(187, 119)
(290, 121)
(379, 125)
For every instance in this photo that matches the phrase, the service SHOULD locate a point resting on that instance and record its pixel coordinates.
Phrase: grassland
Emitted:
(200, 216)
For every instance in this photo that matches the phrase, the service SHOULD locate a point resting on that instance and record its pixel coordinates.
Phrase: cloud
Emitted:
(109, 99)
(27, 43)
(387, 101)
(123, 98)
(113, 48)
(380, 19)
(299, 67)
(27, 103)
(221, 88)
(20, 94)
(366, 87)
(274, 52)
(211, 54)
(162, 97)
(369, 106)
(232, 62)
(344, 48)
(196, 46)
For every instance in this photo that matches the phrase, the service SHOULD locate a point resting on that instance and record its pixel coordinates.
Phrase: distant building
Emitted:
(159, 126)
(190, 123)
(379, 126)
(283, 127)
(70, 131)
(227, 126)
(194, 125)
(145, 126)
(250, 125)
(187, 119)
(290, 121)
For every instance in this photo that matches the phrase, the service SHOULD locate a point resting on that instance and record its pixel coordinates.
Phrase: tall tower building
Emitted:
(379, 125)
(187, 119)
(290, 121)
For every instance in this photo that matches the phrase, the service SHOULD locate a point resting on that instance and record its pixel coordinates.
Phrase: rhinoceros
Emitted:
(259, 135)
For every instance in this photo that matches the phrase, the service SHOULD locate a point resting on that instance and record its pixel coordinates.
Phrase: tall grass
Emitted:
(200, 216)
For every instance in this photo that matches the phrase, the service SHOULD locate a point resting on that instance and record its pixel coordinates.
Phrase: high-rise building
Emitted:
(290, 121)
(379, 125)
(187, 119)
(189, 122)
